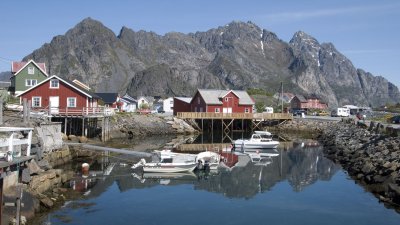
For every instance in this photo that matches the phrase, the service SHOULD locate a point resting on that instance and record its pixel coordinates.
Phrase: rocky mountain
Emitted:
(238, 55)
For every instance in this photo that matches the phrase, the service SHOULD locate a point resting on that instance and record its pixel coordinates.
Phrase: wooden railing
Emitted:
(84, 111)
(252, 116)
(9, 138)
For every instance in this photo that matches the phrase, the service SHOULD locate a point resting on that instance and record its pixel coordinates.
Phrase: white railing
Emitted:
(10, 140)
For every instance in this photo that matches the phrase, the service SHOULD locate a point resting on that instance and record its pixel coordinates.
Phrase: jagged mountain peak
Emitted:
(238, 55)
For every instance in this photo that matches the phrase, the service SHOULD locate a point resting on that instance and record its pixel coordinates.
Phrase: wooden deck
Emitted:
(203, 147)
(247, 116)
(74, 112)
(15, 161)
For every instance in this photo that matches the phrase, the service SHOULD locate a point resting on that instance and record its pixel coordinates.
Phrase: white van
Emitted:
(269, 110)
(343, 112)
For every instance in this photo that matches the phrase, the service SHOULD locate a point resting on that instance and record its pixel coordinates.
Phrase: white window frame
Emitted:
(246, 110)
(217, 110)
(29, 82)
(54, 87)
(68, 105)
(31, 70)
(33, 101)
(226, 99)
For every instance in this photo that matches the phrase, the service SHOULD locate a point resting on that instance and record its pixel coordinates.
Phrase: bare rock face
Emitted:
(238, 56)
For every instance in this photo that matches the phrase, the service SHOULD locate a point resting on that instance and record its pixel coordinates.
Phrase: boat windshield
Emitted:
(166, 160)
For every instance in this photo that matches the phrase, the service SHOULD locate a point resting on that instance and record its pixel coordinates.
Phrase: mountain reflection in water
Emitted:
(300, 165)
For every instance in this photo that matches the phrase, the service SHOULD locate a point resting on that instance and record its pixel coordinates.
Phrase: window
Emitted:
(31, 70)
(30, 82)
(54, 83)
(71, 102)
(246, 110)
(198, 100)
(226, 99)
(217, 110)
(36, 102)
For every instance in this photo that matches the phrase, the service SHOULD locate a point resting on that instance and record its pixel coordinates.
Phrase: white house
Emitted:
(129, 104)
(168, 104)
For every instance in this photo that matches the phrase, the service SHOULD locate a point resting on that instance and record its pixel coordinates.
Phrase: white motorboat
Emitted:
(258, 140)
(208, 160)
(169, 162)
(261, 157)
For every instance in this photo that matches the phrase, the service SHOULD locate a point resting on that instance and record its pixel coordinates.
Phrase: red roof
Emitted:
(17, 66)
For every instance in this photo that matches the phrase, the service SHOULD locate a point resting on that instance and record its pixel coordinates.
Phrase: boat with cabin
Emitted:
(258, 140)
(166, 161)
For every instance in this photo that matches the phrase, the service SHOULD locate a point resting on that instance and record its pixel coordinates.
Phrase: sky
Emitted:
(365, 31)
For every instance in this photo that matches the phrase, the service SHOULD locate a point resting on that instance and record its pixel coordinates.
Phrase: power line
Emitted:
(6, 59)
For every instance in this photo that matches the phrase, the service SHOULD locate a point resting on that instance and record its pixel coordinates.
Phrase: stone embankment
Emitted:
(129, 124)
(369, 154)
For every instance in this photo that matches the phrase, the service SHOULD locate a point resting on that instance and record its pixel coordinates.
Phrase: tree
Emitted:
(260, 107)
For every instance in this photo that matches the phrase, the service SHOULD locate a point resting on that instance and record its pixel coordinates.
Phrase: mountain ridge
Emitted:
(239, 55)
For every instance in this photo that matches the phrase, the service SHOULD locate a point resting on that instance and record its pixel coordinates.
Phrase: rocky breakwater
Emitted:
(130, 124)
(370, 157)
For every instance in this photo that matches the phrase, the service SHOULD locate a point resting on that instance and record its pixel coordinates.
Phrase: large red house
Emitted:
(218, 101)
(58, 94)
(310, 102)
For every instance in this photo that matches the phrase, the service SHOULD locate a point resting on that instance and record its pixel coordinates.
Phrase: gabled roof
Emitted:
(213, 97)
(108, 98)
(79, 89)
(16, 67)
(184, 99)
(126, 96)
(301, 98)
(128, 99)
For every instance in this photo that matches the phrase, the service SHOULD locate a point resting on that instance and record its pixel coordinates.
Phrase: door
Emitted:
(227, 110)
(54, 104)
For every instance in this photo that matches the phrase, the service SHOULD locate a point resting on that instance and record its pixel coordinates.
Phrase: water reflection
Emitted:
(301, 165)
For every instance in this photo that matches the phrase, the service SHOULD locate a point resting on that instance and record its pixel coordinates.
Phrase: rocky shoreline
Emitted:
(129, 124)
(368, 154)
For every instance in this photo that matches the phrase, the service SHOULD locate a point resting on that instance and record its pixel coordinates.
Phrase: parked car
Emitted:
(394, 119)
(298, 112)
(160, 110)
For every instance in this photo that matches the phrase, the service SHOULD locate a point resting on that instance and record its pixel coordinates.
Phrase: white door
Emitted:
(54, 104)
(227, 110)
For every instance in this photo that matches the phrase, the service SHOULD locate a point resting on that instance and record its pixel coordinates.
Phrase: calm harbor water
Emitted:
(297, 186)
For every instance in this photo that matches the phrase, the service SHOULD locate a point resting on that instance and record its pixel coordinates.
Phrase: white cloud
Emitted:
(301, 15)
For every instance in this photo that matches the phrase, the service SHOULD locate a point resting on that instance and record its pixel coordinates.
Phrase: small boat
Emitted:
(261, 157)
(258, 140)
(169, 162)
(208, 160)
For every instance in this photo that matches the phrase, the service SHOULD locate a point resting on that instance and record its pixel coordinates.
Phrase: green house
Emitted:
(26, 75)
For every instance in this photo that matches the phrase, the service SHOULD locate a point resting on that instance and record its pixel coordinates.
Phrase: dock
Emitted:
(231, 122)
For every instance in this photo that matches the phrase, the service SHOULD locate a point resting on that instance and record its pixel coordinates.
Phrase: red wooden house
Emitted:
(59, 96)
(181, 104)
(310, 102)
(221, 101)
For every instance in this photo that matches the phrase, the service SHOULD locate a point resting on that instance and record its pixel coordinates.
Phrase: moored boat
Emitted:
(208, 160)
(258, 140)
(169, 162)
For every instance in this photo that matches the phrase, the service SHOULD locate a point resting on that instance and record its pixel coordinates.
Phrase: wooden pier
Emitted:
(230, 122)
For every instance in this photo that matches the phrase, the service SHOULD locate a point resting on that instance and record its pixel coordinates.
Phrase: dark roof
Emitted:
(108, 98)
(301, 98)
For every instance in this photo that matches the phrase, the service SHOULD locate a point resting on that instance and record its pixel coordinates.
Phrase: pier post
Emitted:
(25, 109)
(18, 203)
(1, 111)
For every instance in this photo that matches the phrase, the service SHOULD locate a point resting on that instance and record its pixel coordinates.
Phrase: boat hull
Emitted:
(168, 168)
(239, 144)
